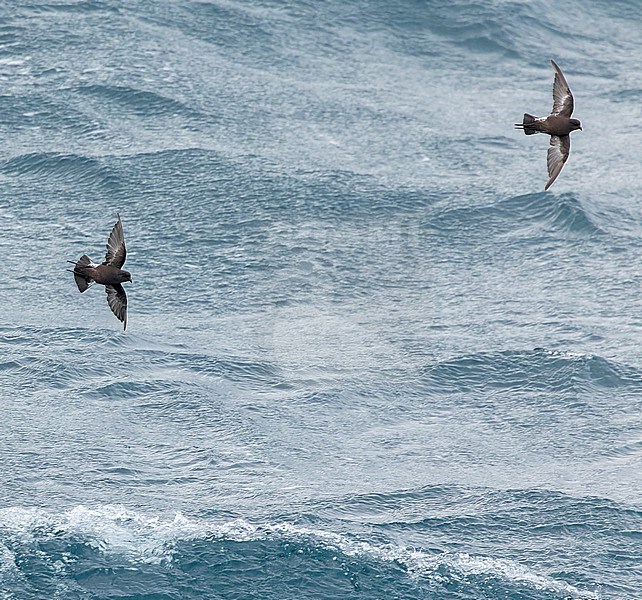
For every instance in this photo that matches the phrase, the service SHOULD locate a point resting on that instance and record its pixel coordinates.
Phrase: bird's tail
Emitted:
(529, 125)
(83, 281)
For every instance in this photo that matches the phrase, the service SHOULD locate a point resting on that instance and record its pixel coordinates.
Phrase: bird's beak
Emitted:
(581, 129)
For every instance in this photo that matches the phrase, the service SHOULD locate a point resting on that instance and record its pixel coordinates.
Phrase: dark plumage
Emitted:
(558, 125)
(109, 273)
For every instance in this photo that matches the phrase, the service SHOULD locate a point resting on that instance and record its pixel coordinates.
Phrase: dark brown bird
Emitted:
(109, 273)
(558, 125)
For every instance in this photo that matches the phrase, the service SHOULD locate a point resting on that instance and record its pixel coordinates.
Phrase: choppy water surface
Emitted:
(367, 357)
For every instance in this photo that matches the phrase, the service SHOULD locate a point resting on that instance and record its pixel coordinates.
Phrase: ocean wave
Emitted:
(564, 213)
(442, 567)
(144, 103)
(240, 371)
(477, 28)
(473, 512)
(470, 30)
(68, 168)
(534, 370)
(162, 368)
(525, 216)
(147, 389)
(76, 539)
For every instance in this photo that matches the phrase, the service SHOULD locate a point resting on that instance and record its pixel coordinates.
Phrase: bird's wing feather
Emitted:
(558, 153)
(562, 97)
(117, 300)
(116, 251)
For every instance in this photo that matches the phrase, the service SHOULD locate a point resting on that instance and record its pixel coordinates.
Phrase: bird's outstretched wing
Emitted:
(562, 97)
(558, 153)
(116, 251)
(117, 300)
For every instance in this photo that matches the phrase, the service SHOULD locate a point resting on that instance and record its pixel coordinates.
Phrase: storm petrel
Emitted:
(109, 273)
(558, 125)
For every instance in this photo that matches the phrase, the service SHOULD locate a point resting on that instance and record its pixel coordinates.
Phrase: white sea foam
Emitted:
(110, 529)
(7, 560)
(8, 572)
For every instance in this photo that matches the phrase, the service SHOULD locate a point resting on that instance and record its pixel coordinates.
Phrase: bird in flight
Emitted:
(109, 273)
(558, 125)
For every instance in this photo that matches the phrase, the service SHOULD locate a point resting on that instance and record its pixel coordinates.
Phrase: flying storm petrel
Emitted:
(109, 273)
(558, 125)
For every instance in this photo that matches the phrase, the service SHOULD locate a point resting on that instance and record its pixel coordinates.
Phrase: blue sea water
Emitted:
(367, 356)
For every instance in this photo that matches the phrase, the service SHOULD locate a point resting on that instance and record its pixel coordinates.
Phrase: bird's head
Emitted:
(576, 124)
(125, 276)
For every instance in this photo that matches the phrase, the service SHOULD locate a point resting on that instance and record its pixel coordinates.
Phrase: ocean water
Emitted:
(367, 356)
